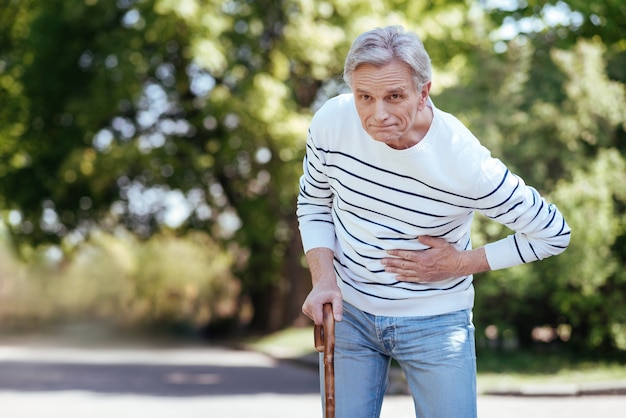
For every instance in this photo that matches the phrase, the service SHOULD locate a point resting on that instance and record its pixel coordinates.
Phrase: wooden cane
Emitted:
(325, 343)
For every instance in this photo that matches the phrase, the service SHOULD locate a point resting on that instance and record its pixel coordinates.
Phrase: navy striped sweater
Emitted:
(360, 197)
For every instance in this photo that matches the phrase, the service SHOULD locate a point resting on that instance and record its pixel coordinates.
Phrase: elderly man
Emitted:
(388, 194)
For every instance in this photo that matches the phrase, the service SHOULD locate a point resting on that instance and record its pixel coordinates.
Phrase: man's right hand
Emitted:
(325, 288)
(321, 294)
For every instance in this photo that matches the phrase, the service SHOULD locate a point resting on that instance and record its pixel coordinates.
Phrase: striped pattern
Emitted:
(360, 198)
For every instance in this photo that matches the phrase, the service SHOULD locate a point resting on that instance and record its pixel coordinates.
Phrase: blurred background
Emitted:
(150, 152)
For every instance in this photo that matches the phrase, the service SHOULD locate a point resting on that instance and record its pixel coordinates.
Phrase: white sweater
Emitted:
(360, 197)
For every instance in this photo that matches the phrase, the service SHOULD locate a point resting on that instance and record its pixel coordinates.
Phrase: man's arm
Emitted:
(540, 232)
(325, 288)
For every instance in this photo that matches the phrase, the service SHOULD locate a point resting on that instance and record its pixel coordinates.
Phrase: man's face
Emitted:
(388, 103)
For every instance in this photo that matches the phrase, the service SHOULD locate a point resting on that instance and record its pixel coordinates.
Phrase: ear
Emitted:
(426, 91)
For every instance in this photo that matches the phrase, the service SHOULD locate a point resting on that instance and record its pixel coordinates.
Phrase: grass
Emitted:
(290, 343)
(498, 370)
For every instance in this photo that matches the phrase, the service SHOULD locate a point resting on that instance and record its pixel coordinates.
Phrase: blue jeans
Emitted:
(436, 353)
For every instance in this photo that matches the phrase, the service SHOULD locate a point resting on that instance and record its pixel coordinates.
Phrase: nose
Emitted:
(381, 113)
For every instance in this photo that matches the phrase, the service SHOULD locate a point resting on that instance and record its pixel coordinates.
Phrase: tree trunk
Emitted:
(280, 305)
(296, 280)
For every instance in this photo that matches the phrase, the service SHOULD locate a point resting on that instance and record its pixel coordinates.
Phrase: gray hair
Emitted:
(382, 45)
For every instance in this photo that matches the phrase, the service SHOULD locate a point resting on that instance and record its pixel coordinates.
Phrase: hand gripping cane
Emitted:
(325, 343)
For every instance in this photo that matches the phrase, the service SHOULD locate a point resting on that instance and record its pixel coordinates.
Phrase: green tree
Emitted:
(122, 109)
(184, 115)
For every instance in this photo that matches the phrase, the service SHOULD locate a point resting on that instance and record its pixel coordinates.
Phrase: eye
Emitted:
(395, 97)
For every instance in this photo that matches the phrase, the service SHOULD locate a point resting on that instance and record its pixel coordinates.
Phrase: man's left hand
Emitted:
(439, 262)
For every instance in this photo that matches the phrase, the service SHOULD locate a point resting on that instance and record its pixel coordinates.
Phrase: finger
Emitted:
(396, 262)
(402, 266)
(402, 273)
(338, 309)
(400, 253)
(306, 311)
(409, 278)
(431, 241)
(314, 312)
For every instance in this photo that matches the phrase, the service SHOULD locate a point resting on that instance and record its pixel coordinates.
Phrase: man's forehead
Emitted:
(393, 77)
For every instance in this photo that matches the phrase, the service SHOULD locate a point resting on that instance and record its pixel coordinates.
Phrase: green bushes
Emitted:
(166, 282)
(582, 292)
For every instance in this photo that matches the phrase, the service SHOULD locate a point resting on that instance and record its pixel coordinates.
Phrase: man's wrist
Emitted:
(474, 261)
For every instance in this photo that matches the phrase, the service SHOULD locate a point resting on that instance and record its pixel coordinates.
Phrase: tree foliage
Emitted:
(562, 127)
(191, 115)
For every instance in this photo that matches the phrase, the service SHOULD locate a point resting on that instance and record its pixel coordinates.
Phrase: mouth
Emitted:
(382, 127)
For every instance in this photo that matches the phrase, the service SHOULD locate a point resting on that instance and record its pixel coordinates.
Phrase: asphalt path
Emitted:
(52, 380)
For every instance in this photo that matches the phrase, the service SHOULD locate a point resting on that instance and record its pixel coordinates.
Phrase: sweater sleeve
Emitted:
(314, 208)
(540, 229)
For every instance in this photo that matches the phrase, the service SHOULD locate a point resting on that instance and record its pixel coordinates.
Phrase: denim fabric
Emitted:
(436, 353)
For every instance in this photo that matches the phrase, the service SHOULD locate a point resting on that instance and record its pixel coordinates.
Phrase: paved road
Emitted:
(50, 381)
